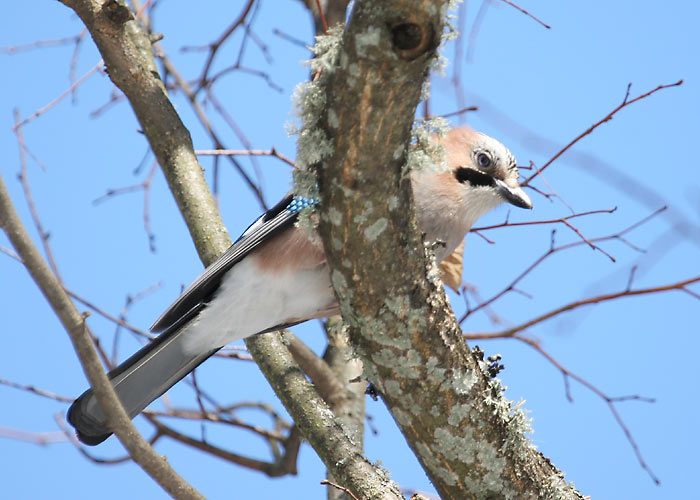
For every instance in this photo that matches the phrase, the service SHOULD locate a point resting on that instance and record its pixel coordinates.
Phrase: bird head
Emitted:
(481, 174)
(484, 168)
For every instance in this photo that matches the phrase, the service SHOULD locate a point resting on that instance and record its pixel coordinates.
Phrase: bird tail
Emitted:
(138, 381)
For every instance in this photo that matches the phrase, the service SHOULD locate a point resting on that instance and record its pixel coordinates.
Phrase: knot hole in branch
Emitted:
(411, 40)
(116, 12)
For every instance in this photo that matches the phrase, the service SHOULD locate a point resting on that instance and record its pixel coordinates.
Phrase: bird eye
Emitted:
(483, 160)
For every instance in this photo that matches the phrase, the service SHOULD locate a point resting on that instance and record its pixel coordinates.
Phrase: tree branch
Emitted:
(468, 438)
(74, 323)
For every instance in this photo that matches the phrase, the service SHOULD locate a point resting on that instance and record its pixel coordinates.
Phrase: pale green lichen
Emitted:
(432, 268)
(359, 219)
(340, 284)
(433, 464)
(403, 418)
(463, 381)
(461, 448)
(413, 405)
(424, 151)
(367, 40)
(335, 216)
(373, 231)
(515, 417)
(332, 118)
(313, 144)
(558, 488)
(327, 49)
(458, 413)
(404, 366)
(393, 388)
(434, 371)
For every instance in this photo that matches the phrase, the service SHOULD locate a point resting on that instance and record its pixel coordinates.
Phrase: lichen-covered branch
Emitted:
(468, 437)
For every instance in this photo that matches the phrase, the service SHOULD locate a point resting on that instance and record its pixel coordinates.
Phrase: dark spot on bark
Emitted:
(116, 12)
(411, 40)
(372, 392)
(406, 36)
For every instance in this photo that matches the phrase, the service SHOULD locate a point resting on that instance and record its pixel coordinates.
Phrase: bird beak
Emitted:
(515, 196)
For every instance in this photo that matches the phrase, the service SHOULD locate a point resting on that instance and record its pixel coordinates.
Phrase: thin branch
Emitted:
(109, 316)
(244, 152)
(511, 332)
(341, 488)
(548, 221)
(329, 387)
(63, 95)
(289, 38)
(35, 390)
(39, 44)
(607, 118)
(478, 19)
(40, 438)
(215, 46)
(552, 250)
(323, 17)
(273, 469)
(74, 323)
(24, 179)
(209, 416)
(144, 186)
(610, 401)
(70, 437)
(461, 111)
(526, 13)
(206, 123)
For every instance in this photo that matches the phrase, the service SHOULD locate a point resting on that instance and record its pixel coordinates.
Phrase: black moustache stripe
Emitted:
(473, 177)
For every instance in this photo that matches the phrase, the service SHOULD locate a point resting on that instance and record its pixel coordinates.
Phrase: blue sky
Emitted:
(536, 90)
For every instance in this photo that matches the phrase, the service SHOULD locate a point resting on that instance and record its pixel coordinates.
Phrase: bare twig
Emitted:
(341, 488)
(70, 437)
(478, 19)
(206, 123)
(36, 390)
(610, 401)
(74, 323)
(215, 46)
(24, 179)
(510, 332)
(245, 152)
(552, 250)
(323, 17)
(526, 13)
(144, 186)
(285, 465)
(63, 95)
(41, 438)
(461, 111)
(39, 44)
(626, 102)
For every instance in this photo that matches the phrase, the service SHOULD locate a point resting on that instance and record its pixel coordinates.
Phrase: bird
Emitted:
(274, 275)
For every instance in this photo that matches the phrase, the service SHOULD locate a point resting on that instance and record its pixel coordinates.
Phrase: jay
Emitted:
(275, 276)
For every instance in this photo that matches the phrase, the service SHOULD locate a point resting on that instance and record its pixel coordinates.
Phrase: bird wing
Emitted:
(195, 297)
